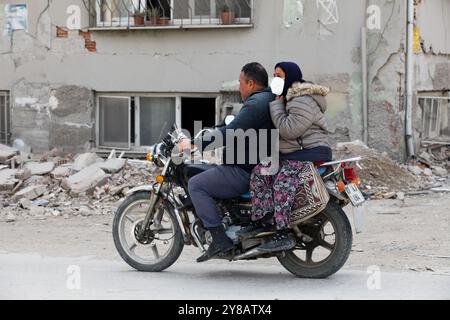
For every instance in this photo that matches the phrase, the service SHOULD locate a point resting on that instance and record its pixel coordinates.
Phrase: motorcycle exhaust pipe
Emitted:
(250, 254)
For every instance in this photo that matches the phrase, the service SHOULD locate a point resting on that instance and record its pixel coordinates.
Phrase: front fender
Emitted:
(148, 188)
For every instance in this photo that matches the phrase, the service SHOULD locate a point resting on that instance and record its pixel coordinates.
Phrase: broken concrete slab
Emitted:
(61, 172)
(7, 152)
(85, 160)
(31, 192)
(112, 165)
(8, 179)
(6, 155)
(37, 180)
(25, 203)
(40, 168)
(23, 174)
(41, 202)
(439, 171)
(85, 181)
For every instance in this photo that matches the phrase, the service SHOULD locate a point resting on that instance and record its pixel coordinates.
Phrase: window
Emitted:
(132, 121)
(4, 117)
(121, 13)
(114, 121)
(156, 117)
(124, 122)
(435, 117)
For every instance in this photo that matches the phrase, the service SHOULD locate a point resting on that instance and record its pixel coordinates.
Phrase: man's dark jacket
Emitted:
(255, 114)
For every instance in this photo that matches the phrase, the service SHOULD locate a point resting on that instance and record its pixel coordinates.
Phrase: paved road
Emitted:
(31, 276)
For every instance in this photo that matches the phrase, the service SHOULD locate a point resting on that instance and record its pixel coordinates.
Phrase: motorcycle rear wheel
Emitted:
(333, 217)
(167, 235)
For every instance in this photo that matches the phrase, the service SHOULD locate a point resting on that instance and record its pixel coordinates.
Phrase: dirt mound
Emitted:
(377, 172)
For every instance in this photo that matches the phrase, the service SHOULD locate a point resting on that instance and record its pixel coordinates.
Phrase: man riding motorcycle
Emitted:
(232, 179)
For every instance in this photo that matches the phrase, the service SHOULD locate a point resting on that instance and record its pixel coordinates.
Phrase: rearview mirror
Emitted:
(229, 119)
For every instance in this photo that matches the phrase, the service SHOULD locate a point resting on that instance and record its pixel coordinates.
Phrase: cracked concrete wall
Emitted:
(386, 79)
(386, 58)
(327, 47)
(432, 62)
(46, 116)
(434, 24)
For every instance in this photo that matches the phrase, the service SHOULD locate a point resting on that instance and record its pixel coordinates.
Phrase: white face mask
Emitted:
(277, 86)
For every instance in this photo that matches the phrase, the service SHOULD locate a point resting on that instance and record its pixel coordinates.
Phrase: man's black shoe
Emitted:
(282, 241)
(221, 244)
(214, 251)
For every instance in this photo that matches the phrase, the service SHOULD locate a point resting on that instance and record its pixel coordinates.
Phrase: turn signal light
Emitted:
(160, 179)
(149, 156)
(340, 186)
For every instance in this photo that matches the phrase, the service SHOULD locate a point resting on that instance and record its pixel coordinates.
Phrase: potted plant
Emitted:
(154, 15)
(227, 15)
(164, 21)
(139, 16)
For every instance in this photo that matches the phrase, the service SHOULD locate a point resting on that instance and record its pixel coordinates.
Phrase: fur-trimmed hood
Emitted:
(315, 91)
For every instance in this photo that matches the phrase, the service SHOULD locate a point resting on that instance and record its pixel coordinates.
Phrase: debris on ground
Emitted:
(381, 177)
(57, 185)
(54, 185)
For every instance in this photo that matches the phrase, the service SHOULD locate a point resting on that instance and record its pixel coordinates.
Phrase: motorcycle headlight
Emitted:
(157, 153)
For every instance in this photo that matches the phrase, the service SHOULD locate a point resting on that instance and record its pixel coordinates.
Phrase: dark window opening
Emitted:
(4, 117)
(162, 6)
(132, 120)
(197, 109)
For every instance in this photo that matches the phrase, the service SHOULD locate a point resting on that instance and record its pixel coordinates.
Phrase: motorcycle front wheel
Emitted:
(326, 248)
(157, 248)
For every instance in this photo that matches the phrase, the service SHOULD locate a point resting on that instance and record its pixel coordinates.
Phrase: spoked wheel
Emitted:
(155, 249)
(324, 249)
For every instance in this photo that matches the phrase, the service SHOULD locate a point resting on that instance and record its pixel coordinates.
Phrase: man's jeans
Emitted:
(221, 182)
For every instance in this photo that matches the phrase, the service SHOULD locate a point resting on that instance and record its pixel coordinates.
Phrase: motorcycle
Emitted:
(154, 222)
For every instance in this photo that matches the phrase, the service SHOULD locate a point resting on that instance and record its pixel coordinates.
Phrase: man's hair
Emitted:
(256, 72)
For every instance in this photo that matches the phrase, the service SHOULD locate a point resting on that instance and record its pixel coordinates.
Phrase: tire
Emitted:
(338, 256)
(176, 247)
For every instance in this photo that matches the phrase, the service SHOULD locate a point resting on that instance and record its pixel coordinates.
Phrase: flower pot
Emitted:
(227, 17)
(154, 21)
(164, 21)
(138, 20)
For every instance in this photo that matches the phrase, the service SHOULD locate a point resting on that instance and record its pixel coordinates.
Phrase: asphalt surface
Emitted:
(32, 276)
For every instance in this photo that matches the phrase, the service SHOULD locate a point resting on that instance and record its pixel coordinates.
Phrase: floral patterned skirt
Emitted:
(275, 194)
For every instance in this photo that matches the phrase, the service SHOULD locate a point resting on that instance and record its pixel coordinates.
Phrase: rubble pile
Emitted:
(55, 185)
(381, 177)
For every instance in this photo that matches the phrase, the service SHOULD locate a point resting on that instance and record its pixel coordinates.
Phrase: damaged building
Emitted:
(98, 74)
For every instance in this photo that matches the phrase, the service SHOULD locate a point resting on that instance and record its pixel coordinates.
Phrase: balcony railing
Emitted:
(169, 13)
